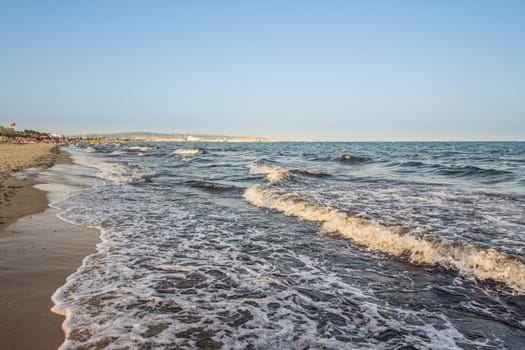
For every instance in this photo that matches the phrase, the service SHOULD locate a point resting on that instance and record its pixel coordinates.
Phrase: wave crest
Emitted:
(116, 173)
(483, 264)
(348, 158)
(273, 173)
(276, 174)
(187, 151)
(143, 148)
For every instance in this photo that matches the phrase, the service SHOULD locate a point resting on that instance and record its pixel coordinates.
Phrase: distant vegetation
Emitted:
(164, 137)
(30, 136)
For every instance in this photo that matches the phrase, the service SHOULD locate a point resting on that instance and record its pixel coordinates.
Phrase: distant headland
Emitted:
(177, 137)
(10, 134)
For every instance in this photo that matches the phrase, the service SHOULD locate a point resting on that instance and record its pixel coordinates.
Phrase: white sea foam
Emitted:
(483, 264)
(119, 173)
(296, 289)
(273, 173)
(143, 148)
(276, 174)
(187, 151)
(135, 279)
(116, 173)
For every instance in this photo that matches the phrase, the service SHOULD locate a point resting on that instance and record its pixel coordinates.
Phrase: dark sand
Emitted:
(19, 199)
(37, 253)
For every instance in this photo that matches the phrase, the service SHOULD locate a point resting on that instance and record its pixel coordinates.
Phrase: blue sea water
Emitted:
(298, 246)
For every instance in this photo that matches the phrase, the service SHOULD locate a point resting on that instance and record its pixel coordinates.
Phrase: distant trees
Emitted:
(34, 133)
(29, 136)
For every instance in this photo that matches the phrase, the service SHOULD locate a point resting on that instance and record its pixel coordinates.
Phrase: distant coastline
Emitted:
(177, 137)
(10, 135)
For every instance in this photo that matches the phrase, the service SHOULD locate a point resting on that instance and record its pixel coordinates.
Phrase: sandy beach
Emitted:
(17, 196)
(37, 251)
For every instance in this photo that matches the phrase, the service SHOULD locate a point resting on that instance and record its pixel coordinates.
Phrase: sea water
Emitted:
(298, 246)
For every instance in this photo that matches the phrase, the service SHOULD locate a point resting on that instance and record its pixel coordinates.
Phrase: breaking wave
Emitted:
(143, 148)
(119, 173)
(348, 158)
(187, 151)
(471, 261)
(276, 174)
(116, 173)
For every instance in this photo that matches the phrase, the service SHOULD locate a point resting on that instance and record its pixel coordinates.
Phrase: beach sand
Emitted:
(37, 253)
(14, 157)
(18, 198)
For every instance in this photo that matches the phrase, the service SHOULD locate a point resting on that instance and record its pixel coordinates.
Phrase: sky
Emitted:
(299, 70)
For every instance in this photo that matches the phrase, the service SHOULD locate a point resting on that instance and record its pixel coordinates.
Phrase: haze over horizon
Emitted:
(301, 70)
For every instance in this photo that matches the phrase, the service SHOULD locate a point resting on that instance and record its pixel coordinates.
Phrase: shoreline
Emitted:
(38, 252)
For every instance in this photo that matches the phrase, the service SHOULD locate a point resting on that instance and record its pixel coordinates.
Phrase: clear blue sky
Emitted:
(328, 70)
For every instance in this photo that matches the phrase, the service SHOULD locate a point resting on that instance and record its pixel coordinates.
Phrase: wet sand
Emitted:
(37, 253)
(18, 199)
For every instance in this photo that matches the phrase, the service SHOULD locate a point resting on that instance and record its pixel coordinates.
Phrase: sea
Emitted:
(415, 245)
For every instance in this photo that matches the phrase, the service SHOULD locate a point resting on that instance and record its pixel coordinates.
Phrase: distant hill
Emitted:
(137, 134)
(151, 136)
